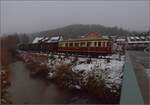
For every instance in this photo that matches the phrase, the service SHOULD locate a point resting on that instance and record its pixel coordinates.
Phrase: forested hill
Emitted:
(77, 30)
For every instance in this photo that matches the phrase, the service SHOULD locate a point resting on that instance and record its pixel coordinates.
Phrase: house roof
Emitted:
(120, 39)
(47, 39)
(138, 39)
(37, 39)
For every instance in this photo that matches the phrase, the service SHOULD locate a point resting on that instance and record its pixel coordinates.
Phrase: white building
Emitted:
(135, 42)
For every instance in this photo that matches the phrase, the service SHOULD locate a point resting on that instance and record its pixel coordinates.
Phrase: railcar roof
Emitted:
(84, 39)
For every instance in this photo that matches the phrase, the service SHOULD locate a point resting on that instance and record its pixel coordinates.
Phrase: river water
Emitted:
(25, 89)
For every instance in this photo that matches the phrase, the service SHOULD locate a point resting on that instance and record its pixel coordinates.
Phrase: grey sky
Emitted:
(35, 16)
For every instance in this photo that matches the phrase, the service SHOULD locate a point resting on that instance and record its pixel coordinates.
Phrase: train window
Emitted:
(70, 44)
(89, 44)
(76, 44)
(66, 44)
(103, 44)
(108, 44)
(95, 44)
(99, 44)
(82, 44)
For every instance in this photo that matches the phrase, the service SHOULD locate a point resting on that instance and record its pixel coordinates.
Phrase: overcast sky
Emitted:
(35, 16)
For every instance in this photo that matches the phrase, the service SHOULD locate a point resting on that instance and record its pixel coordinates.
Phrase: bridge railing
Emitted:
(130, 93)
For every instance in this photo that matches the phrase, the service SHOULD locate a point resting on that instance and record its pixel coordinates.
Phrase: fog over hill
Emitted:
(34, 16)
(78, 30)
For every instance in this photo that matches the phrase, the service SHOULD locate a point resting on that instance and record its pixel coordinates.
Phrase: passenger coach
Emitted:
(92, 43)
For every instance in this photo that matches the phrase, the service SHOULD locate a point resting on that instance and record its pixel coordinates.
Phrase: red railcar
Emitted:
(87, 45)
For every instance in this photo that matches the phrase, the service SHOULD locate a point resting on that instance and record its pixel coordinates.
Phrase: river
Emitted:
(25, 89)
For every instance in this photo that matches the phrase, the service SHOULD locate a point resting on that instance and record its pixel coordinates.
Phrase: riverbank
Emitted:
(26, 89)
(5, 83)
(8, 45)
(98, 77)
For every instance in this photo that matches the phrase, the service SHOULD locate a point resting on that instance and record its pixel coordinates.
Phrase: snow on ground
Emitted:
(85, 67)
(111, 72)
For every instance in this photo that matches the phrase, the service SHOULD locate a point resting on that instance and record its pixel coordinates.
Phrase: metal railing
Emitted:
(130, 93)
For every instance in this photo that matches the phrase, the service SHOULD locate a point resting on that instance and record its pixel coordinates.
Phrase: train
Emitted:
(91, 43)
